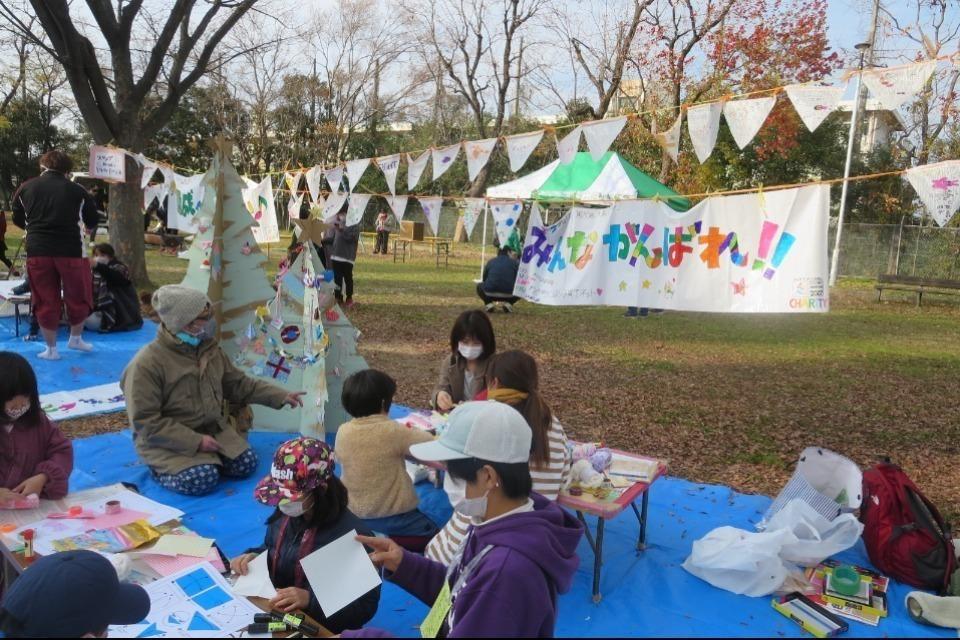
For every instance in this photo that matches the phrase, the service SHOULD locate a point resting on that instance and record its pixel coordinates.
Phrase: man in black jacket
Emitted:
(55, 212)
(499, 276)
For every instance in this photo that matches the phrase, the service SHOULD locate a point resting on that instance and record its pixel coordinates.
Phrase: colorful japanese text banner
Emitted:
(760, 253)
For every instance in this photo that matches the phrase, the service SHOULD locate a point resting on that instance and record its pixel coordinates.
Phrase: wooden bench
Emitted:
(916, 284)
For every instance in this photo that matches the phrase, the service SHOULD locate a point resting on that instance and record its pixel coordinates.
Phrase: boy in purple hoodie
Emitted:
(520, 553)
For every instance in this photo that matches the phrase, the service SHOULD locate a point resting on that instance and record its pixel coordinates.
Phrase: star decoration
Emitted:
(646, 284)
(623, 285)
(739, 288)
(312, 229)
(944, 183)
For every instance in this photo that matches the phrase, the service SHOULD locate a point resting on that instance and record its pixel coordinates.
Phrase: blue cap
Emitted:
(68, 594)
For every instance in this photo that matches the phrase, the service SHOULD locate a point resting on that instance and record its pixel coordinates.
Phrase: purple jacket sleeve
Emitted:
(367, 633)
(56, 463)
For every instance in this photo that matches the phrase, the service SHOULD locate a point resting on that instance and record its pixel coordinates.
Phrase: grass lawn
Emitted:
(724, 398)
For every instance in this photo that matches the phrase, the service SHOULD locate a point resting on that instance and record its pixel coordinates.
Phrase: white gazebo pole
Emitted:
(483, 245)
(835, 259)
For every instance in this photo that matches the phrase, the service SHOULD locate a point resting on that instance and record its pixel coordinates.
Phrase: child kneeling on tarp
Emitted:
(372, 449)
(311, 512)
(520, 552)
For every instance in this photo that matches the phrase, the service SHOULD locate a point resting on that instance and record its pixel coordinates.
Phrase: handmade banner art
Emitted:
(568, 145)
(745, 117)
(443, 159)
(293, 206)
(703, 123)
(108, 163)
(519, 148)
(292, 180)
(478, 154)
(600, 134)
(398, 204)
(152, 192)
(431, 211)
(938, 187)
(471, 213)
(313, 183)
(893, 87)
(415, 168)
(334, 178)
(333, 205)
(259, 201)
(187, 199)
(355, 171)
(358, 204)
(814, 102)
(389, 165)
(149, 168)
(670, 139)
(506, 215)
(65, 405)
(739, 253)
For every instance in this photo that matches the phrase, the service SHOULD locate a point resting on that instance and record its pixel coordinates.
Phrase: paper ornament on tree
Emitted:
(670, 139)
(814, 102)
(260, 204)
(415, 168)
(355, 171)
(310, 229)
(431, 211)
(443, 159)
(600, 134)
(334, 178)
(189, 191)
(567, 147)
(506, 215)
(745, 117)
(313, 183)
(938, 187)
(893, 87)
(471, 213)
(703, 123)
(520, 147)
(389, 165)
(398, 204)
(478, 154)
(358, 204)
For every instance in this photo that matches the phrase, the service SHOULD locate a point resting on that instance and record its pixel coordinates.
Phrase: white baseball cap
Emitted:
(489, 430)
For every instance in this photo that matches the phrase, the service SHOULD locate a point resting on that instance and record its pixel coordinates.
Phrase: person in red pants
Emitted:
(55, 212)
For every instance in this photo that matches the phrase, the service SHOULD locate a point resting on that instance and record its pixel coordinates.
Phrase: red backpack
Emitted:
(905, 535)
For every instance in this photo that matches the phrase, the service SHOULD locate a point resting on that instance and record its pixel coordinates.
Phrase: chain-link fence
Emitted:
(867, 250)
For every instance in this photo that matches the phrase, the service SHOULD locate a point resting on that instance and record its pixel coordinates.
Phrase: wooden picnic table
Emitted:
(439, 248)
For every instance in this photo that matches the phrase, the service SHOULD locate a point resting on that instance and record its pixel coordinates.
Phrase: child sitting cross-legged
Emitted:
(372, 449)
(311, 512)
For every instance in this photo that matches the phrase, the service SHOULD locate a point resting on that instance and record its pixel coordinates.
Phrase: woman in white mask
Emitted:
(311, 511)
(463, 372)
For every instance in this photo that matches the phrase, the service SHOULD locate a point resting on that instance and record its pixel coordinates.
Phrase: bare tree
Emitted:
(127, 96)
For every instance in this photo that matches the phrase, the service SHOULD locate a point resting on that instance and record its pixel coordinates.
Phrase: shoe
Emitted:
(491, 307)
(507, 307)
(350, 304)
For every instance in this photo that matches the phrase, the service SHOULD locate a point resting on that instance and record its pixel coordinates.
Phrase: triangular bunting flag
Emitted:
(703, 123)
(293, 206)
(389, 165)
(358, 204)
(478, 154)
(398, 204)
(471, 213)
(443, 159)
(333, 205)
(292, 180)
(567, 147)
(600, 134)
(814, 102)
(259, 200)
(745, 117)
(520, 147)
(355, 171)
(893, 87)
(506, 215)
(313, 183)
(334, 177)
(150, 192)
(431, 211)
(415, 168)
(149, 168)
(938, 186)
(188, 194)
(670, 139)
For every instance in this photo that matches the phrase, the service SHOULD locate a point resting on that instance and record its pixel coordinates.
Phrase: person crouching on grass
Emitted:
(311, 512)
(520, 552)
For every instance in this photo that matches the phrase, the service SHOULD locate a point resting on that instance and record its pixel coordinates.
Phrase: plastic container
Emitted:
(846, 580)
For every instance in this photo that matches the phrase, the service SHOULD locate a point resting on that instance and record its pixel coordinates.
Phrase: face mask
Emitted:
(473, 508)
(103, 260)
(189, 339)
(16, 414)
(470, 352)
(293, 509)
(456, 490)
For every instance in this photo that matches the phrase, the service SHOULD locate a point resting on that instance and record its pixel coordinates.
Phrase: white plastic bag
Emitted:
(740, 561)
(828, 481)
(816, 537)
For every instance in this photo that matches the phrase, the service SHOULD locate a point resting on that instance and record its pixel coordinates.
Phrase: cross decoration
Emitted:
(277, 363)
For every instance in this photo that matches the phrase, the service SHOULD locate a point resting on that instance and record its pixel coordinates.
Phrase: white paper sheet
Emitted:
(257, 582)
(339, 573)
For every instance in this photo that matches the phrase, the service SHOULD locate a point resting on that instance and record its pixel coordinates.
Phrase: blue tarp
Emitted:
(643, 595)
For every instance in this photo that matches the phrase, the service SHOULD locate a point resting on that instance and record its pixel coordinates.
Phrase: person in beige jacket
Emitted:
(372, 450)
(177, 389)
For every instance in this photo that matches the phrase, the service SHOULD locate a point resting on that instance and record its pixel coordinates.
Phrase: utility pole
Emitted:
(861, 102)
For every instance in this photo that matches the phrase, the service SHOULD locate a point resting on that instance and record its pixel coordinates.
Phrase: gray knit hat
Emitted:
(178, 306)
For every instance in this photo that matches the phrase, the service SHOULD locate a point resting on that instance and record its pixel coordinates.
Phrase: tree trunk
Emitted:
(125, 214)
